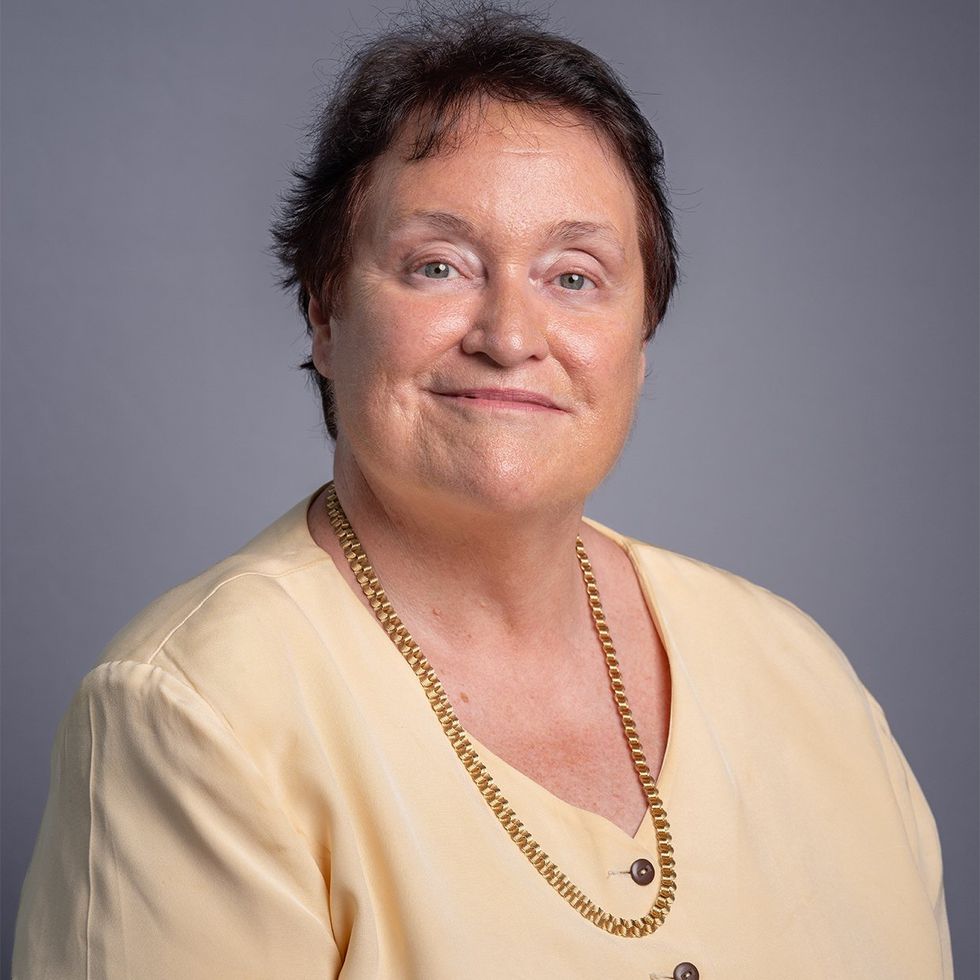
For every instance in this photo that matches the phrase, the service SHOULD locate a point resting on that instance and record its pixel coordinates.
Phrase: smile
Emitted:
(506, 399)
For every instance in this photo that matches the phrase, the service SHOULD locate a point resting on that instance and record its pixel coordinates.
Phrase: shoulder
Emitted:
(743, 642)
(711, 597)
(233, 616)
(242, 651)
(722, 598)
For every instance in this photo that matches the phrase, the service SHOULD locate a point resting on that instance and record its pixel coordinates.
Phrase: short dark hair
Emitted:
(430, 66)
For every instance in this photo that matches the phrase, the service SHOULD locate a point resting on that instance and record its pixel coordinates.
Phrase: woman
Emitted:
(432, 722)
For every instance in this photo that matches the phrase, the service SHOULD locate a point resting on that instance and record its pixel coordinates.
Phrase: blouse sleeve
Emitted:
(920, 828)
(162, 852)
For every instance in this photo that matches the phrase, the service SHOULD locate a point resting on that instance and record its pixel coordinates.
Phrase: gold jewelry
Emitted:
(409, 649)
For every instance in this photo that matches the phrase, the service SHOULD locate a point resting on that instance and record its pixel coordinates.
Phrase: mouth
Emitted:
(513, 399)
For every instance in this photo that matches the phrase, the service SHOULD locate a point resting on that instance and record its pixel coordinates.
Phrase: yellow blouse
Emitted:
(252, 784)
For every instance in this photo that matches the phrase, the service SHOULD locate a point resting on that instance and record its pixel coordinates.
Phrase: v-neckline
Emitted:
(656, 615)
(496, 762)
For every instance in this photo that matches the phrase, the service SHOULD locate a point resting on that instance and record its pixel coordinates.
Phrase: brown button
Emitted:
(686, 971)
(641, 871)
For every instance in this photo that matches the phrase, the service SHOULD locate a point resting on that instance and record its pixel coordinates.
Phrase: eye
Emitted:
(438, 270)
(575, 280)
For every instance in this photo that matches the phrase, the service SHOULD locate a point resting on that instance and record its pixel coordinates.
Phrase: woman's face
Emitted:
(487, 348)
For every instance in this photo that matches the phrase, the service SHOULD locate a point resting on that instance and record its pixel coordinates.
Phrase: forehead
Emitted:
(509, 165)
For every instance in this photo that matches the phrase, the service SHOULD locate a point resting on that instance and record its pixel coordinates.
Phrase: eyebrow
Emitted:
(560, 232)
(566, 232)
(439, 220)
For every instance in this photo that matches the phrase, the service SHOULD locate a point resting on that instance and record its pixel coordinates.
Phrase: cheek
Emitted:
(624, 393)
(389, 346)
(609, 367)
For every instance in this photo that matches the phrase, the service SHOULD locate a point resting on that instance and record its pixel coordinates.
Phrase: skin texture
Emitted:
(508, 260)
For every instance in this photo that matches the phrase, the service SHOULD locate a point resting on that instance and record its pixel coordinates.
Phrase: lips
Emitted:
(518, 395)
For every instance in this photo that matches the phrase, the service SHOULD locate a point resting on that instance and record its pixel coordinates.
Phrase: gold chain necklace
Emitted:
(409, 649)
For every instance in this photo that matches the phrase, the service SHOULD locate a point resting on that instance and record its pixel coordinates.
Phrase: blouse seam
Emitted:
(234, 735)
(268, 575)
(181, 677)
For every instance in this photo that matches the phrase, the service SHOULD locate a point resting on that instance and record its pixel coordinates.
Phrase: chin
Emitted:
(520, 486)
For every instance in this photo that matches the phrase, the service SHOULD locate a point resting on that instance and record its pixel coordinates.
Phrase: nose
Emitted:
(509, 326)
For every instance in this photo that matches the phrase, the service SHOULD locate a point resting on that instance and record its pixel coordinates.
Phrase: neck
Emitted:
(468, 577)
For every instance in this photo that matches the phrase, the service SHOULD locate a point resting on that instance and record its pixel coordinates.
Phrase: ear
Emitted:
(323, 336)
(641, 368)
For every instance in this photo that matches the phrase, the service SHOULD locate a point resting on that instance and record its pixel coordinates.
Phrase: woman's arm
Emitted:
(162, 852)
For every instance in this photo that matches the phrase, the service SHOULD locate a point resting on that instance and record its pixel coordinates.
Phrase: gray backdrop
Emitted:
(811, 416)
